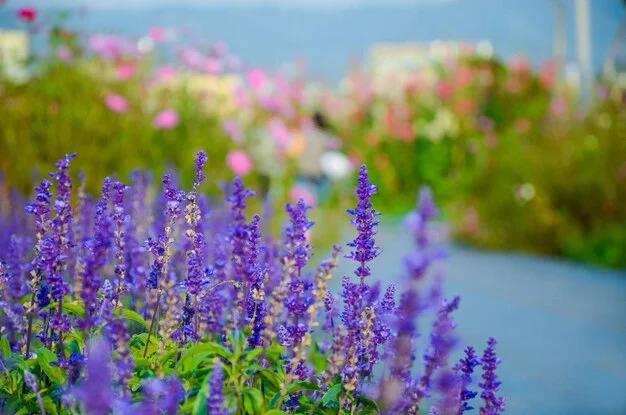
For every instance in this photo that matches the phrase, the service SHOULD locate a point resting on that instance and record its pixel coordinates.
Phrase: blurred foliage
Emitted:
(507, 150)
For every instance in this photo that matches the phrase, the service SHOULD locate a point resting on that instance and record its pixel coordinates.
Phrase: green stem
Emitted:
(156, 308)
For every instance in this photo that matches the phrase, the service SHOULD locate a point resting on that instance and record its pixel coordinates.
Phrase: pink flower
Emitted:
(165, 73)
(239, 162)
(212, 66)
(256, 78)
(232, 128)
(241, 98)
(559, 105)
(519, 64)
(279, 132)
(27, 14)
(157, 34)
(64, 54)
(117, 103)
(107, 47)
(301, 192)
(192, 58)
(166, 120)
(445, 89)
(125, 71)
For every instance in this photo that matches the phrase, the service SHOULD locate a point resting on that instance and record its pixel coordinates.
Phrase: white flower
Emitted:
(335, 165)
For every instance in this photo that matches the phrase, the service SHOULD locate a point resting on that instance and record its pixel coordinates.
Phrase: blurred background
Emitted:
(513, 112)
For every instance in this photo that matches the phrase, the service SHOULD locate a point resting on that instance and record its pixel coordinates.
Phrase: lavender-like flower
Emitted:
(124, 363)
(96, 393)
(494, 405)
(62, 225)
(441, 342)
(97, 255)
(466, 367)
(119, 216)
(215, 401)
(364, 219)
(195, 260)
(238, 237)
(296, 241)
(419, 224)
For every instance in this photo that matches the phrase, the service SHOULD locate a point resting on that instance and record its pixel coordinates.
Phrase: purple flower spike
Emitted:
(466, 367)
(95, 392)
(215, 401)
(441, 342)
(201, 159)
(493, 405)
(298, 248)
(364, 219)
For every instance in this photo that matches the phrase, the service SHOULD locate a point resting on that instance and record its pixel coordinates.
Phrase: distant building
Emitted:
(397, 58)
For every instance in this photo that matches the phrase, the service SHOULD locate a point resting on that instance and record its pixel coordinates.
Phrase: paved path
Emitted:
(561, 326)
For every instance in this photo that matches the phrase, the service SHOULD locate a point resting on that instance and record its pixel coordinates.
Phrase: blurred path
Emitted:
(561, 326)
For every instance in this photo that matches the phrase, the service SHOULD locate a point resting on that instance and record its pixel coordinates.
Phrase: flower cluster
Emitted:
(184, 305)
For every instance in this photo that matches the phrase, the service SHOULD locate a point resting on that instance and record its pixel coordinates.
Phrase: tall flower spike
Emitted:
(196, 245)
(119, 216)
(238, 237)
(466, 367)
(494, 405)
(364, 219)
(441, 342)
(298, 248)
(419, 223)
(215, 401)
(97, 256)
(95, 392)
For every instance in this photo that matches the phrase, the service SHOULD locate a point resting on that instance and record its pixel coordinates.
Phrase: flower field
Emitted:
(169, 219)
(179, 304)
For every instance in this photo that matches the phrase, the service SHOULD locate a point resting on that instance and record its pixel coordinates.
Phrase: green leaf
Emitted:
(253, 354)
(274, 412)
(271, 379)
(253, 401)
(136, 317)
(79, 310)
(49, 405)
(293, 388)
(5, 346)
(198, 353)
(370, 406)
(275, 352)
(44, 358)
(300, 386)
(332, 394)
(199, 407)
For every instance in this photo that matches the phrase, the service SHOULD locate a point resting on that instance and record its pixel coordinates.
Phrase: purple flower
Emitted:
(62, 226)
(215, 401)
(419, 224)
(364, 219)
(494, 405)
(124, 363)
(466, 367)
(238, 236)
(441, 342)
(96, 393)
(98, 248)
(119, 216)
(296, 240)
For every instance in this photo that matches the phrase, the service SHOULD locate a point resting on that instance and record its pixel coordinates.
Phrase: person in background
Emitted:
(318, 141)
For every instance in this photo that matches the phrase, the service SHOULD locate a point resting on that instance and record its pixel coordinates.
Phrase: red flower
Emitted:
(27, 14)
